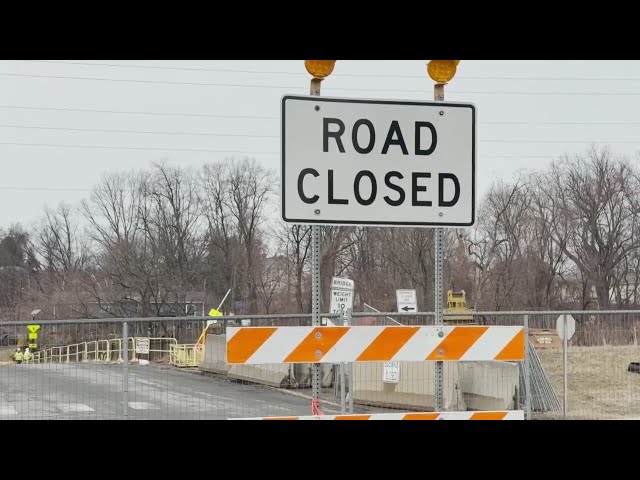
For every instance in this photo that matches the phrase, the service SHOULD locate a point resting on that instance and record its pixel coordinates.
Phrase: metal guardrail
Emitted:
(182, 355)
(99, 351)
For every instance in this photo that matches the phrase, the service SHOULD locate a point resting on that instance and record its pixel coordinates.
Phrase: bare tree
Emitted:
(222, 240)
(126, 255)
(250, 186)
(410, 254)
(173, 226)
(294, 242)
(334, 246)
(601, 198)
(549, 240)
(498, 243)
(58, 242)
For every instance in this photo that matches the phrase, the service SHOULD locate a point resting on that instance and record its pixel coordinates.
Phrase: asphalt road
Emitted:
(94, 391)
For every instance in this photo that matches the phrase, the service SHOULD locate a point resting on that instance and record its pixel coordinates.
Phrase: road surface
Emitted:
(95, 391)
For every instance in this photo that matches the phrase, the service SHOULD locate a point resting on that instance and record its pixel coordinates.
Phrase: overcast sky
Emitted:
(192, 112)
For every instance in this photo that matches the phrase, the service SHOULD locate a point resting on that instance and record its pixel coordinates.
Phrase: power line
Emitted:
(369, 75)
(88, 190)
(46, 189)
(115, 147)
(246, 135)
(255, 117)
(299, 87)
(120, 112)
(37, 127)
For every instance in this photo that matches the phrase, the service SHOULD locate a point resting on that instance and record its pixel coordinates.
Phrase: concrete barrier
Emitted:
(489, 385)
(215, 355)
(276, 374)
(415, 387)
(472, 386)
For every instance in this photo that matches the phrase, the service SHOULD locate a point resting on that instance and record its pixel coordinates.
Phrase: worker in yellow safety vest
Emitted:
(28, 356)
(17, 355)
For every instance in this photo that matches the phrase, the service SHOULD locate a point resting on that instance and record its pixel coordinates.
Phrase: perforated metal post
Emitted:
(439, 375)
(438, 94)
(343, 367)
(527, 369)
(315, 283)
(125, 369)
(315, 303)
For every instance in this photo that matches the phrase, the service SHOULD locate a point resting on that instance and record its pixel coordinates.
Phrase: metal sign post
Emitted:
(438, 94)
(566, 327)
(527, 369)
(315, 283)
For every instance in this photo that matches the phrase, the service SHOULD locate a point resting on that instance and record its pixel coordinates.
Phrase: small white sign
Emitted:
(341, 294)
(143, 345)
(391, 372)
(571, 326)
(343, 283)
(341, 300)
(407, 301)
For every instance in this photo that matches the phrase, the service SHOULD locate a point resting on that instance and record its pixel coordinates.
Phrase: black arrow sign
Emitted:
(406, 309)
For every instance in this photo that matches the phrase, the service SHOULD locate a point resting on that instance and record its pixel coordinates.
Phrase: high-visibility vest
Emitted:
(27, 356)
(18, 356)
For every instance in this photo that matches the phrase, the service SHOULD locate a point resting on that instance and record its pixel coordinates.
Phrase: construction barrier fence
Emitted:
(79, 370)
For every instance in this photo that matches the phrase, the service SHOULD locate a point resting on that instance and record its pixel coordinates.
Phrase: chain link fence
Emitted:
(81, 369)
(169, 370)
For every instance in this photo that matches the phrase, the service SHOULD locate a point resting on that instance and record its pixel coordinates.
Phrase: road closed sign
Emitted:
(377, 162)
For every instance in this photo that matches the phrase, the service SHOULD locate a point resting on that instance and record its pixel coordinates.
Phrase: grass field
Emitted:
(600, 387)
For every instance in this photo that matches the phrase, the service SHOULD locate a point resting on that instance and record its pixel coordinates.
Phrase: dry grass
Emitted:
(600, 387)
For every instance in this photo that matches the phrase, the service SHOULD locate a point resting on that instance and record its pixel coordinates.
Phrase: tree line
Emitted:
(150, 242)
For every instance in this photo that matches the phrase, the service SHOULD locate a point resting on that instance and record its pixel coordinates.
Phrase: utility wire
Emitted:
(300, 87)
(359, 75)
(255, 117)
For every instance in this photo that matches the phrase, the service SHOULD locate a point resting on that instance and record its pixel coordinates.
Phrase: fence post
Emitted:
(343, 366)
(527, 373)
(125, 372)
(348, 322)
(565, 361)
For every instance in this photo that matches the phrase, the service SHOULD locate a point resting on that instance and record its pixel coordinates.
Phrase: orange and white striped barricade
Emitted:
(487, 415)
(260, 345)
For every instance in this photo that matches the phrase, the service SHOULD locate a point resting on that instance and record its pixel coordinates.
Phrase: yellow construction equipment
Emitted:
(457, 303)
(212, 313)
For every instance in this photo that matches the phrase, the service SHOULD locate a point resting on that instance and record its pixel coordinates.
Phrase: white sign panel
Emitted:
(341, 294)
(142, 345)
(571, 326)
(391, 372)
(378, 162)
(341, 299)
(406, 301)
(344, 283)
